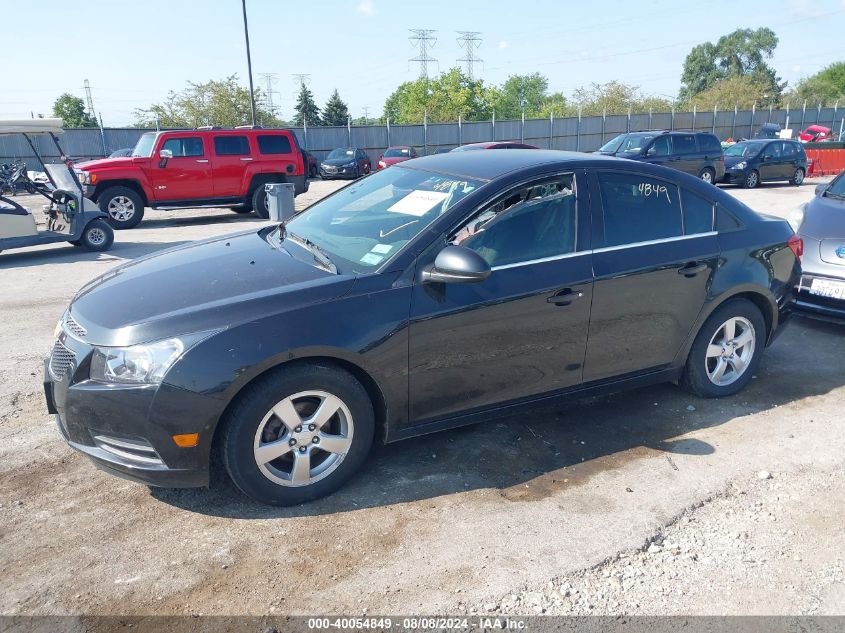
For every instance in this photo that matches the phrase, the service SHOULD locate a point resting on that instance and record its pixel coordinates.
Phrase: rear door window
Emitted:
(184, 146)
(684, 143)
(709, 143)
(273, 144)
(698, 213)
(231, 145)
(638, 208)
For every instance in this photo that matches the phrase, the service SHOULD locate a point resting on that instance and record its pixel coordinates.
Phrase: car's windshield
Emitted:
(365, 223)
(144, 146)
(836, 188)
(397, 152)
(627, 143)
(342, 152)
(745, 150)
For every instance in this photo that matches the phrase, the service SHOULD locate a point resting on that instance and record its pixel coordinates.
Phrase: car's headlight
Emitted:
(381, 163)
(138, 364)
(796, 217)
(741, 165)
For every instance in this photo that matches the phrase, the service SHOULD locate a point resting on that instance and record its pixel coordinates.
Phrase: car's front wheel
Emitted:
(797, 177)
(726, 350)
(297, 434)
(123, 205)
(97, 236)
(751, 180)
(707, 175)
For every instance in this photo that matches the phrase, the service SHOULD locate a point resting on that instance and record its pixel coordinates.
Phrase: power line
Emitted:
(423, 39)
(270, 80)
(469, 41)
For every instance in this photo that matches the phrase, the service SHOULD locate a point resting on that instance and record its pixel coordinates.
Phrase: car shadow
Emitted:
(537, 451)
(218, 218)
(65, 253)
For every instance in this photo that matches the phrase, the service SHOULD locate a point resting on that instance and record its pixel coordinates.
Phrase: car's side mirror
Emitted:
(165, 155)
(768, 157)
(651, 151)
(456, 264)
(820, 189)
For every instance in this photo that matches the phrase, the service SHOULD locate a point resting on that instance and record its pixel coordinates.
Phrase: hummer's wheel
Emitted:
(123, 205)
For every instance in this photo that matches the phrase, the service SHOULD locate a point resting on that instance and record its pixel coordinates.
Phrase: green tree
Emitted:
(444, 98)
(742, 91)
(741, 53)
(616, 97)
(825, 87)
(336, 111)
(518, 92)
(556, 104)
(216, 102)
(72, 110)
(306, 109)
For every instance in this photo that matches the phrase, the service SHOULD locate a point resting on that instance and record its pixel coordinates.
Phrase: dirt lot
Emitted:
(646, 502)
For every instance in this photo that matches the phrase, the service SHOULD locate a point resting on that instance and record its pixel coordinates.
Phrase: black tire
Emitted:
(752, 180)
(708, 175)
(797, 177)
(695, 377)
(97, 236)
(244, 418)
(259, 202)
(116, 197)
(357, 173)
(312, 171)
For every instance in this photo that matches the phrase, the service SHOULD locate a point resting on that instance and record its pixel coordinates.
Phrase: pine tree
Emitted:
(336, 111)
(306, 108)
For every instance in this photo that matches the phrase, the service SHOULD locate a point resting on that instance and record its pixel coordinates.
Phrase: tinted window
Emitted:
(661, 147)
(698, 213)
(638, 209)
(181, 147)
(231, 145)
(725, 220)
(274, 144)
(709, 143)
(535, 222)
(683, 143)
(791, 149)
(773, 149)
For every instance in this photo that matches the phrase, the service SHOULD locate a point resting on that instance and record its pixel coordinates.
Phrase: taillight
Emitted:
(796, 245)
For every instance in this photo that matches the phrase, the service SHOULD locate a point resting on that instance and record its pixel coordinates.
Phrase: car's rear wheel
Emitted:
(751, 180)
(259, 202)
(707, 175)
(797, 177)
(297, 434)
(123, 205)
(726, 351)
(97, 236)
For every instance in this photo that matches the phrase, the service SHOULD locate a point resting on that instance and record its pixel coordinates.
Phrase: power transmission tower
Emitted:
(366, 115)
(88, 99)
(270, 80)
(469, 41)
(303, 79)
(424, 39)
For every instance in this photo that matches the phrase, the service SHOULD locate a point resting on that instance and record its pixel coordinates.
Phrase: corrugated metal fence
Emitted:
(572, 133)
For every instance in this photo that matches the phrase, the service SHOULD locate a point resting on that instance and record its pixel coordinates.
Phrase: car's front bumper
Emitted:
(128, 430)
(341, 172)
(808, 304)
(735, 176)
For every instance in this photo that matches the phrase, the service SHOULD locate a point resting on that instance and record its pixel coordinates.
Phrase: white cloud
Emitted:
(797, 67)
(366, 7)
(504, 43)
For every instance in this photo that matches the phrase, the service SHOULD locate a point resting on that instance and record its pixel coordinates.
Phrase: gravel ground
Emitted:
(505, 516)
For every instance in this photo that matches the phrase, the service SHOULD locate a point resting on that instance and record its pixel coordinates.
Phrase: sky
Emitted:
(133, 52)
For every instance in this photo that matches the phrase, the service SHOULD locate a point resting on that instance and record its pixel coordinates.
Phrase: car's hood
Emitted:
(392, 160)
(730, 161)
(619, 154)
(199, 287)
(338, 162)
(104, 163)
(824, 218)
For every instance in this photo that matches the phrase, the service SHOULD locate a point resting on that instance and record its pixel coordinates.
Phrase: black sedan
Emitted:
(422, 298)
(345, 162)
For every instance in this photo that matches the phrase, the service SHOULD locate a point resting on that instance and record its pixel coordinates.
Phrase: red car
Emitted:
(195, 168)
(494, 145)
(396, 154)
(815, 133)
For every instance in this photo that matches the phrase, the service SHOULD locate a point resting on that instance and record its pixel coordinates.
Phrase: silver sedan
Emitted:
(821, 224)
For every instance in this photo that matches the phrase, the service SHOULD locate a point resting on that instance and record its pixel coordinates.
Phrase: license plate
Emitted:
(827, 288)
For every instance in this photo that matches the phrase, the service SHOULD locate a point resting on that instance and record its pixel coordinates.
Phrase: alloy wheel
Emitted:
(798, 177)
(730, 351)
(121, 208)
(706, 176)
(303, 438)
(96, 236)
(751, 180)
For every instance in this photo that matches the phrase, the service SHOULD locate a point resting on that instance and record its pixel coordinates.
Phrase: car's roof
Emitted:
(491, 165)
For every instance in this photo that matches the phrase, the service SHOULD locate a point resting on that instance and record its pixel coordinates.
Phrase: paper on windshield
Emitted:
(418, 203)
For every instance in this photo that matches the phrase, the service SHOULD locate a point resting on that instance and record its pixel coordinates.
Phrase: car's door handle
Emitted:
(202, 160)
(247, 158)
(692, 269)
(565, 297)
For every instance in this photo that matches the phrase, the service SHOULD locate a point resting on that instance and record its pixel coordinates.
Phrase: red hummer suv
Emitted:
(205, 167)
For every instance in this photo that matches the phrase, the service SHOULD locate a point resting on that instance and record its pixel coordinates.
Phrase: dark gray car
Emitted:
(821, 224)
